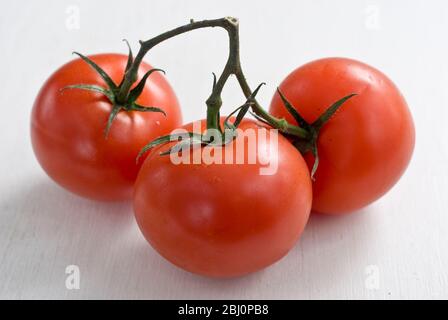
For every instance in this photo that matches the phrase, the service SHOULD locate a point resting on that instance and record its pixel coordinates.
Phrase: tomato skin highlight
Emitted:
(67, 129)
(367, 145)
(223, 220)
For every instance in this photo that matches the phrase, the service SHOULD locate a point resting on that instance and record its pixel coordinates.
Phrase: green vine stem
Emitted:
(233, 66)
(305, 134)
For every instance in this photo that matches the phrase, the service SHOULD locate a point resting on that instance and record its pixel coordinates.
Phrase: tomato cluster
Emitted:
(223, 219)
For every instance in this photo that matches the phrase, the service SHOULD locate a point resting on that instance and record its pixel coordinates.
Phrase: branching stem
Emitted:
(232, 67)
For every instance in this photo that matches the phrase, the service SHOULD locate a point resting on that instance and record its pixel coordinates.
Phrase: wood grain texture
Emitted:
(404, 235)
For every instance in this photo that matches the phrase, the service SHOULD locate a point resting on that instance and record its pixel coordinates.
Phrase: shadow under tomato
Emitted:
(333, 250)
(48, 229)
(55, 228)
(52, 228)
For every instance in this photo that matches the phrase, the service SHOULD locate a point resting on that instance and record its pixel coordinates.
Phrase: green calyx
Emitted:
(219, 138)
(309, 142)
(303, 135)
(113, 92)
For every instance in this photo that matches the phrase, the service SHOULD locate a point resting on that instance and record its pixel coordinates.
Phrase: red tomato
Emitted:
(224, 220)
(365, 148)
(67, 129)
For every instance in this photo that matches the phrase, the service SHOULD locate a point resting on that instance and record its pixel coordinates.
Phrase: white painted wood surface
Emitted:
(402, 239)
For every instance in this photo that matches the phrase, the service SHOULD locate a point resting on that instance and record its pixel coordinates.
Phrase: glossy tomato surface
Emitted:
(366, 146)
(67, 129)
(225, 220)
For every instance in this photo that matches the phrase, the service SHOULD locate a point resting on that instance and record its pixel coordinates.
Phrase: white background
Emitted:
(404, 236)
